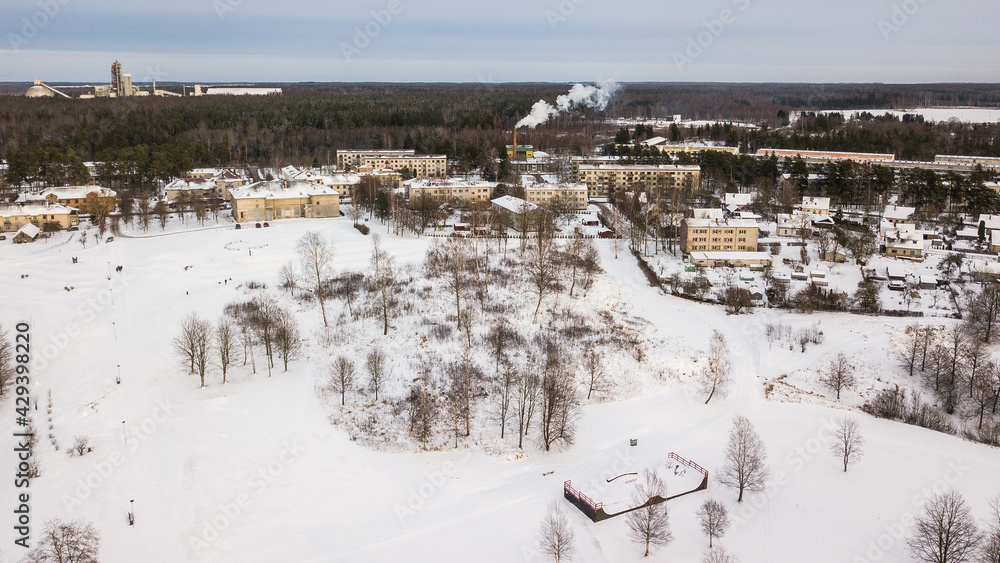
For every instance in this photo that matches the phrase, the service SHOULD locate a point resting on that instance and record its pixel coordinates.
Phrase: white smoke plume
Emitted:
(596, 97)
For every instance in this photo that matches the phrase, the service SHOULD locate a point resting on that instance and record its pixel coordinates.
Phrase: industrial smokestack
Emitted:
(514, 152)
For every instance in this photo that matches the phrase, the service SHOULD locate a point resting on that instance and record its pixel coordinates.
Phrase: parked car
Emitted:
(109, 239)
(267, 224)
(257, 225)
(2, 237)
(73, 228)
(238, 226)
(897, 286)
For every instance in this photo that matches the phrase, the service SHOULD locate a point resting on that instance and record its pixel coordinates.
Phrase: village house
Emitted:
(520, 215)
(266, 201)
(27, 233)
(815, 205)
(795, 225)
(191, 188)
(76, 196)
(13, 216)
(897, 214)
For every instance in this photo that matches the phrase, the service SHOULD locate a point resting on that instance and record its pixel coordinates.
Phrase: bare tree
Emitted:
(946, 532)
(990, 551)
(7, 373)
(559, 406)
(714, 376)
(226, 337)
(316, 256)
(162, 213)
(719, 555)
(66, 542)
(502, 335)
(555, 538)
(342, 374)
(383, 279)
(83, 238)
(266, 315)
(423, 411)
(194, 343)
(525, 400)
(287, 337)
(347, 286)
(650, 524)
(909, 354)
(450, 261)
(714, 519)
(849, 444)
(504, 388)
(594, 370)
(590, 266)
(839, 374)
(80, 445)
(458, 399)
(288, 277)
(378, 371)
(745, 467)
(543, 266)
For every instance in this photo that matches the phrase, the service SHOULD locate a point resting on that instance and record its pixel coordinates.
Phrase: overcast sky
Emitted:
(514, 41)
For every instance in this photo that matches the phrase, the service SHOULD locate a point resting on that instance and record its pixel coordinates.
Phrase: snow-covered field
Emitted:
(254, 470)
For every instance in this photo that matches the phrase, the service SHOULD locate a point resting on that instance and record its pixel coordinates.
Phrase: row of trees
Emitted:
(259, 322)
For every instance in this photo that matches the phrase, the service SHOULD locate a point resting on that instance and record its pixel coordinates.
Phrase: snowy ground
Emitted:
(254, 470)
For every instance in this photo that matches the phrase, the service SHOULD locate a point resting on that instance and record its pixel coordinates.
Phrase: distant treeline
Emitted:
(150, 139)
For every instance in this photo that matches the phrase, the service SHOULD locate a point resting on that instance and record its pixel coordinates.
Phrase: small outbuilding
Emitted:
(27, 233)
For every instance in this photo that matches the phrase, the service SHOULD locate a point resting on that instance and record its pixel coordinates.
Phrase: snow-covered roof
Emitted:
(514, 204)
(675, 167)
(75, 192)
(29, 229)
(735, 223)
(654, 141)
(556, 187)
(749, 215)
(277, 190)
(994, 238)
(816, 203)
(898, 213)
(992, 221)
(707, 213)
(732, 256)
(34, 208)
(191, 184)
(739, 200)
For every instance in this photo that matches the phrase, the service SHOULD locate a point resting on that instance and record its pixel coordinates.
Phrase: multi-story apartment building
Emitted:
(718, 235)
(446, 189)
(602, 180)
(420, 165)
(572, 196)
(349, 159)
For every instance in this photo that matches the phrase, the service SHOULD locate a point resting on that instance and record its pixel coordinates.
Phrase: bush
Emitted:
(892, 404)
(363, 229)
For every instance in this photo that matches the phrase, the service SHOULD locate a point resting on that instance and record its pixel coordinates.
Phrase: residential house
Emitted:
(603, 180)
(449, 189)
(815, 205)
(27, 233)
(76, 196)
(896, 214)
(13, 216)
(266, 201)
(520, 215)
(571, 196)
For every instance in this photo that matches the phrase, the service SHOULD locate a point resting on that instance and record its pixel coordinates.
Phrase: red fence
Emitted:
(690, 464)
(568, 489)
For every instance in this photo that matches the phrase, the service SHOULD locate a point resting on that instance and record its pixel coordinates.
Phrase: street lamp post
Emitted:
(131, 513)
(124, 435)
(119, 379)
